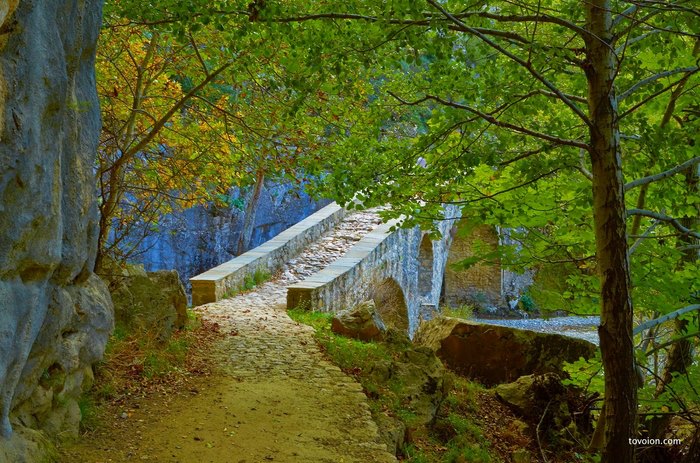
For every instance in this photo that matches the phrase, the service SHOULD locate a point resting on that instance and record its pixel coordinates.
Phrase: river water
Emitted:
(575, 327)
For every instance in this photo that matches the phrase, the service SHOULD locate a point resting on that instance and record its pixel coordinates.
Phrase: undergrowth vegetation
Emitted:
(137, 363)
(465, 312)
(456, 435)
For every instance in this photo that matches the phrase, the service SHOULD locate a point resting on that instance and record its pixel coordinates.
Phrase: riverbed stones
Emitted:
(360, 322)
(497, 354)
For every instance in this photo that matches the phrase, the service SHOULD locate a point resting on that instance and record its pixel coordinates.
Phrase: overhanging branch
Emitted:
(670, 316)
(662, 175)
(690, 70)
(665, 218)
(494, 121)
(514, 58)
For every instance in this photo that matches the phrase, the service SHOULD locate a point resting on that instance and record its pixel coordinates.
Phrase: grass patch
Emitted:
(465, 312)
(250, 281)
(89, 415)
(350, 355)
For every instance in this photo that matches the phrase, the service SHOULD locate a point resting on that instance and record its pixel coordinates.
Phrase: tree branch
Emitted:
(493, 120)
(634, 40)
(626, 14)
(643, 236)
(689, 70)
(525, 154)
(648, 98)
(582, 165)
(532, 18)
(662, 175)
(393, 21)
(668, 343)
(520, 61)
(166, 117)
(664, 218)
(199, 56)
(669, 316)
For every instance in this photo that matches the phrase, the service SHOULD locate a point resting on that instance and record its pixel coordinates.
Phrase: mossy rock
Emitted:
(154, 302)
(496, 354)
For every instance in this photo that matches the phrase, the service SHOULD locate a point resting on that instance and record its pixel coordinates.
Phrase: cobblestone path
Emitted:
(319, 413)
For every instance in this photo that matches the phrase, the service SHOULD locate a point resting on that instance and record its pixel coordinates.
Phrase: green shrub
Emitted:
(527, 303)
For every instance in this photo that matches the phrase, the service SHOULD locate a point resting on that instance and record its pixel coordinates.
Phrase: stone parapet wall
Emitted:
(349, 280)
(381, 256)
(269, 257)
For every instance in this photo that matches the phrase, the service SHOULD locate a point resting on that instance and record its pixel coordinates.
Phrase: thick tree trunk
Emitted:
(615, 331)
(251, 209)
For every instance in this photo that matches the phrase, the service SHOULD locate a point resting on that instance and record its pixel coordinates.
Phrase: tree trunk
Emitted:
(250, 210)
(693, 455)
(615, 331)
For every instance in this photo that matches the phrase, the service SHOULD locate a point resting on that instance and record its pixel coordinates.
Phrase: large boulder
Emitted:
(530, 394)
(360, 322)
(55, 314)
(153, 302)
(424, 383)
(496, 354)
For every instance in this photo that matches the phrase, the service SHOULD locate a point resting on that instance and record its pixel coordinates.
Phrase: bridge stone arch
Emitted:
(481, 284)
(425, 266)
(400, 268)
(391, 304)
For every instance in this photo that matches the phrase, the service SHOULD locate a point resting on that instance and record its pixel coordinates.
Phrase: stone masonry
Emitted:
(481, 283)
(385, 266)
(269, 257)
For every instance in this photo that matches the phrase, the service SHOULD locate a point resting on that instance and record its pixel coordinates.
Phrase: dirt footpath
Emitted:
(277, 399)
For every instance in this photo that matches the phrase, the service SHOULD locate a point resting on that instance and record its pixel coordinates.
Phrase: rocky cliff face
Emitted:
(203, 237)
(55, 314)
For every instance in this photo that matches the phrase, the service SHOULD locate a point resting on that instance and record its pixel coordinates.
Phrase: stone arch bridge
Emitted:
(402, 270)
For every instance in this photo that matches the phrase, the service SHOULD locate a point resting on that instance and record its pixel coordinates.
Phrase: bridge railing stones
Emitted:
(215, 284)
(380, 255)
(353, 278)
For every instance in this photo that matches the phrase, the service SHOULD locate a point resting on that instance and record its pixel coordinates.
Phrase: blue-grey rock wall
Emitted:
(203, 237)
(55, 313)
